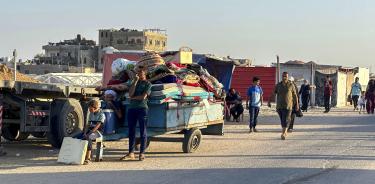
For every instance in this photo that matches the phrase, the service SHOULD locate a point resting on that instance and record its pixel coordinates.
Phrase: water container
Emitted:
(110, 121)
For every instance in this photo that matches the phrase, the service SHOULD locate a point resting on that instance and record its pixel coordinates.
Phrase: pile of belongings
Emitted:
(171, 81)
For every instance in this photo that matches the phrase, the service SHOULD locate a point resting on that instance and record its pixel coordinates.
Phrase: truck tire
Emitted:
(192, 140)
(39, 134)
(66, 121)
(12, 133)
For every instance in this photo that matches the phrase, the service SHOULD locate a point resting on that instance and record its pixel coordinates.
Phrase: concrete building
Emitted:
(4, 60)
(77, 52)
(48, 68)
(126, 39)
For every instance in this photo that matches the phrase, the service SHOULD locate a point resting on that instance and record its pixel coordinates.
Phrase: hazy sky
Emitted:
(327, 31)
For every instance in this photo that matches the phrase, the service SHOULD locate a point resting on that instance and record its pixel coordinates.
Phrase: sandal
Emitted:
(141, 157)
(86, 162)
(129, 156)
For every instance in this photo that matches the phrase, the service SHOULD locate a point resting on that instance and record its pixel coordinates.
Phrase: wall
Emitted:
(162, 39)
(319, 92)
(301, 72)
(47, 68)
(341, 89)
(364, 77)
(341, 82)
(243, 76)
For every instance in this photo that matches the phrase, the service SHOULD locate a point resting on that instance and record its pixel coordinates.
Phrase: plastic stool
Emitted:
(99, 149)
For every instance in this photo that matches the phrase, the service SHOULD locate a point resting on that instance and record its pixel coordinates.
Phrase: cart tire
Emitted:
(39, 134)
(12, 133)
(66, 121)
(192, 140)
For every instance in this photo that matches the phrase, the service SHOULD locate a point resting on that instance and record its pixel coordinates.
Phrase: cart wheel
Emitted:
(192, 140)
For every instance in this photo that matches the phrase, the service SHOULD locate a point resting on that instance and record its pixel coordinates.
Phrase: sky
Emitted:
(338, 32)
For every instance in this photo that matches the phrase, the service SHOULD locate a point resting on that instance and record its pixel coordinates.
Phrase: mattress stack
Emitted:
(169, 92)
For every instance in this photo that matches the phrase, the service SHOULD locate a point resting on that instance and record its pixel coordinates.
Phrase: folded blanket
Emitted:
(159, 87)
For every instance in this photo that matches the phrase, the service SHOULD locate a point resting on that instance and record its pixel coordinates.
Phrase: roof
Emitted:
(79, 79)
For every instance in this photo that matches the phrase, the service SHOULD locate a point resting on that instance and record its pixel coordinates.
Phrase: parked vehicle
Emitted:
(43, 110)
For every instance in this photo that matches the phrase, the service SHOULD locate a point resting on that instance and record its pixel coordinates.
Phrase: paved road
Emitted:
(325, 148)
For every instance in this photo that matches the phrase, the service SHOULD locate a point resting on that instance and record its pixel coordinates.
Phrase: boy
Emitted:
(255, 97)
(96, 120)
(137, 112)
(362, 102)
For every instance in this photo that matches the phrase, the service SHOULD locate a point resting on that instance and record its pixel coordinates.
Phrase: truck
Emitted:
(47, 110)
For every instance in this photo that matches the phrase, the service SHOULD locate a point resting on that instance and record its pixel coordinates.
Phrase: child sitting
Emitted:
(362, 102)
(115, 106)
(96, 120)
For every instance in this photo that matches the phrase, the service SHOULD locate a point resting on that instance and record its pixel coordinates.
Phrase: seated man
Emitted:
(234, 102)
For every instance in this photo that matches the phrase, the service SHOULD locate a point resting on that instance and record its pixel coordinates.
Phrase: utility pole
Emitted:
(79, 55)
(94, 64)
(15, 64)
(277, 69)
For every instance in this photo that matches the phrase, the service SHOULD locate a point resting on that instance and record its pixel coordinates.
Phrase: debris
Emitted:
(7, 74)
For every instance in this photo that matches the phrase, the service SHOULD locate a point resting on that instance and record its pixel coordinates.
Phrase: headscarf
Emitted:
(291, 78)
(111, 92)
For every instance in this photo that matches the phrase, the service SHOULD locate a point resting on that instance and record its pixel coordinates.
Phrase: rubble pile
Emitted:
(7, 74)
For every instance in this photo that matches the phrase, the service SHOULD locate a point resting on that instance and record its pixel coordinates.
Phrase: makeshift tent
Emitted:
(221, 69)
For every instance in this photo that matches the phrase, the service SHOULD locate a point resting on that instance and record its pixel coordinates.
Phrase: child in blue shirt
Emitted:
(254, 101)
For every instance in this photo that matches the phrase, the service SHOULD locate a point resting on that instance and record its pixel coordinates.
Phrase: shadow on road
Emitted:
(207, 176)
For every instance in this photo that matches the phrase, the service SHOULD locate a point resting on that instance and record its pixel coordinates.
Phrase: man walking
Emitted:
(255, 97)
(327, 94)
(305, 95)
(286, 95)
(355, 92)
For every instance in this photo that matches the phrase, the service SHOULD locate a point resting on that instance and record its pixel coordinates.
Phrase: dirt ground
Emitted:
(336, 146)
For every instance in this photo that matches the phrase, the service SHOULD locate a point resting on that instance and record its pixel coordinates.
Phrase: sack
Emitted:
(73, 151)
(299, 113)
(350, 99)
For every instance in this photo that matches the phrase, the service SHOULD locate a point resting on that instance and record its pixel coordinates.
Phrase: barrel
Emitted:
(110, 121)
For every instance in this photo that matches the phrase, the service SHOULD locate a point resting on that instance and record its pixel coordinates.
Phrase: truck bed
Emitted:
(44, 89)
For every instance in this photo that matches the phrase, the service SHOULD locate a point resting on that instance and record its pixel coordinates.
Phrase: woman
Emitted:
(304, 92)
(370, 97)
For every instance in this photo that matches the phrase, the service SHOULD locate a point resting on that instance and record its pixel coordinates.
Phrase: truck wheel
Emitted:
(39, 134)
(12, 133)
(192, 140)
(67, 120)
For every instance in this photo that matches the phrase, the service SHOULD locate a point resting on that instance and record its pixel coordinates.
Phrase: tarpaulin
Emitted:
(220, 69)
